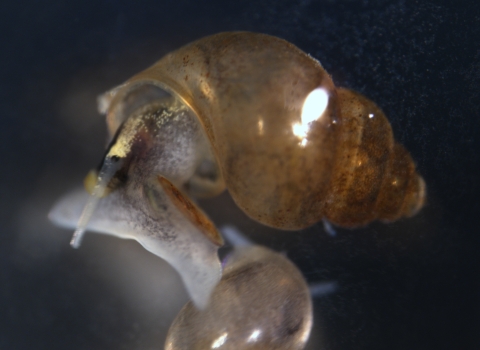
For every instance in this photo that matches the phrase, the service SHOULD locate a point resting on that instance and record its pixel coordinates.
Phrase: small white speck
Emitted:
(254, 336)
(219, 341)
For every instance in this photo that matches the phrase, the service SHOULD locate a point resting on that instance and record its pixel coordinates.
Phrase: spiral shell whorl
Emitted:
(374, 177)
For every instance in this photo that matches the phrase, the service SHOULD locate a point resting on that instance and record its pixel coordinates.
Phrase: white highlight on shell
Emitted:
(219, 341)
(313, 108)
(254, 336)
(260, 127)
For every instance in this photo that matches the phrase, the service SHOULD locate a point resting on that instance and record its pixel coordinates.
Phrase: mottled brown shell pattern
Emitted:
(248, 91)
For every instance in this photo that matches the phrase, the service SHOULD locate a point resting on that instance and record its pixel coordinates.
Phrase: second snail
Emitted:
(261, 302)
(251, 113)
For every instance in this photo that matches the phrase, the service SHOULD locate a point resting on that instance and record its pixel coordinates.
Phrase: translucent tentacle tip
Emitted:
(109, 168)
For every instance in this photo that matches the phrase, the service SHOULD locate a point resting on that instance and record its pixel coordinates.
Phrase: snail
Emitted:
(261, 302)
(256, 115)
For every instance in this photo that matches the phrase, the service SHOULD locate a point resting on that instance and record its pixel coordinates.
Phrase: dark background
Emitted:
(413, 284)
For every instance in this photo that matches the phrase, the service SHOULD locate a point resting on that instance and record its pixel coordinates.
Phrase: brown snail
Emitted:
(248, 91)
(261, 302)
(252, 113)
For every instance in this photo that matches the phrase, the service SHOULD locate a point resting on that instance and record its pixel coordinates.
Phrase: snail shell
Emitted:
(248, 91)
(261, 302)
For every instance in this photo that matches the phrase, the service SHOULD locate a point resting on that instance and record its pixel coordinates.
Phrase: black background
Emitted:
(413, 284)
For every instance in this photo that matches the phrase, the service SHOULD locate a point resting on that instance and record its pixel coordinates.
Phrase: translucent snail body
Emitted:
(138, 203)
